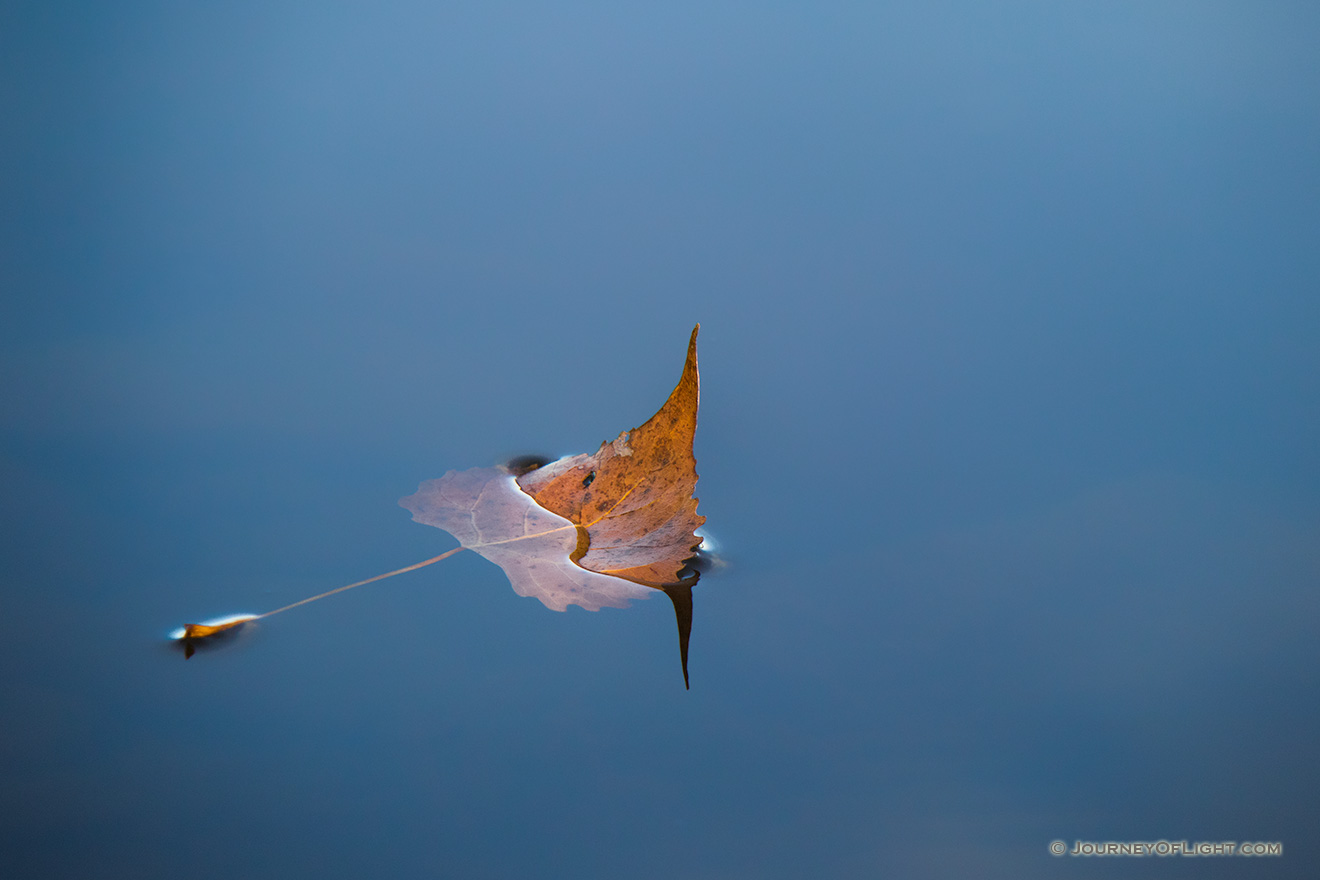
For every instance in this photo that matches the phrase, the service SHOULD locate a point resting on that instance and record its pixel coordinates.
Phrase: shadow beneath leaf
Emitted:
(681, 596)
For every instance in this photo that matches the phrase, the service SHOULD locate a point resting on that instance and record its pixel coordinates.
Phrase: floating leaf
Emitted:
(589, 530)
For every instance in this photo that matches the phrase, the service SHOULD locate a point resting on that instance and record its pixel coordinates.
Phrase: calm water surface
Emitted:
(1008, 432)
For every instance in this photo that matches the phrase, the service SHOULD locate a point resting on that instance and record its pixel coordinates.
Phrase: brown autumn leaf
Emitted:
(589, 530)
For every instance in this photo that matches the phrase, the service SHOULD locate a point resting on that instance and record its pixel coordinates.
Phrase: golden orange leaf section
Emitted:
(193, 635)
(632, 499)
(202, 630)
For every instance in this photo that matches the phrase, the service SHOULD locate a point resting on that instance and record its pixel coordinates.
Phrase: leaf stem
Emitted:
(360, 583)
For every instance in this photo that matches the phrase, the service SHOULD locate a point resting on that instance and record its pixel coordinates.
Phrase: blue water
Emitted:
(1008, 430)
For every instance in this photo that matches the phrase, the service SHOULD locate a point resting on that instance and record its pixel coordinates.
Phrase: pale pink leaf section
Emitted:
(486, 511)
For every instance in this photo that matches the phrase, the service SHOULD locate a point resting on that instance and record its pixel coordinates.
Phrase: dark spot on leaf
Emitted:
(525, 464)
(588, 479)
